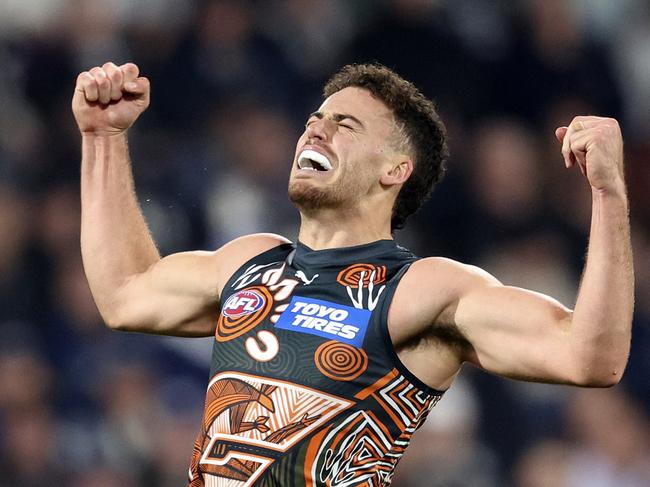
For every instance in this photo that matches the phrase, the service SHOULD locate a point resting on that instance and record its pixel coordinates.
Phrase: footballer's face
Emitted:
(346, 145)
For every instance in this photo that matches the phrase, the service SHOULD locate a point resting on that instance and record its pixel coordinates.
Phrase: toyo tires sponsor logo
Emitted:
(243, 303)
(326, 319)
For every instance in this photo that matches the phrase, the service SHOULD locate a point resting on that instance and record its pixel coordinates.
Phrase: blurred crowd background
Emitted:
(232, 84)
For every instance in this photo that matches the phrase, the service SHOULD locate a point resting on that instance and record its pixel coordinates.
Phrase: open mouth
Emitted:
(310, 160)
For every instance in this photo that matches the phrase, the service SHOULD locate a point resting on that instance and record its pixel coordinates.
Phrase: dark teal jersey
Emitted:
(306, 388)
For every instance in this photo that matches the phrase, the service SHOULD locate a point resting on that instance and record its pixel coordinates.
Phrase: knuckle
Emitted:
(130, 71)
(84, 79)
(129, 67)
(88, 85)
(99, 74)
(115, 75)
(102, 81)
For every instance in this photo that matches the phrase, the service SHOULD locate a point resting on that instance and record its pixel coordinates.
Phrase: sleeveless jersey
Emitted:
(306, 388)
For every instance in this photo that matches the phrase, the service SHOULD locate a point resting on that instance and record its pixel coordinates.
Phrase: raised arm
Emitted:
(115, 240)
(523, 334)
(134, 289)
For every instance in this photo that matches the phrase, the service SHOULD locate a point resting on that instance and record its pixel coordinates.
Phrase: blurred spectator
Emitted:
(313, 32)
(552, 58)
(103, 478)
(248, 192)
(231, 56)
(639, 365)
(25, 381)
(18, 290)
(60, 220)
(504, 178)
(544, 464)
(95, 31)
(609, 446)
(414, 38)
(612, 436)
(30, 449)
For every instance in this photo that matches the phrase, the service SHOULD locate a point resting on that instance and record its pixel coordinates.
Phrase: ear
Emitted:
(398, 173)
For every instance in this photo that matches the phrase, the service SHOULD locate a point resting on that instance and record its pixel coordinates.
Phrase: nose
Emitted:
(317, 130)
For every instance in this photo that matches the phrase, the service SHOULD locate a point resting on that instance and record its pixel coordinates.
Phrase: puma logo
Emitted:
(301, 275)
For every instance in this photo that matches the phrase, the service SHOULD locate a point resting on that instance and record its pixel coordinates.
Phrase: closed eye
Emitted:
(338, 118)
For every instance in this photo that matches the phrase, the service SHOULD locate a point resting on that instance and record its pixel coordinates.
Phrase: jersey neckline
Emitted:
(306, 256)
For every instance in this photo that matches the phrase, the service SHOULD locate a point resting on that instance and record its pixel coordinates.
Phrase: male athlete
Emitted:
(330, 352)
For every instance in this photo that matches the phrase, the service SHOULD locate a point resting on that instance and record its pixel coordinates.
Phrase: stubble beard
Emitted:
(307, 197)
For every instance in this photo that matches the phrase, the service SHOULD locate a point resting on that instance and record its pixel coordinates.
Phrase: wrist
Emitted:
(104, 142)
(615, 193)
(104, 134)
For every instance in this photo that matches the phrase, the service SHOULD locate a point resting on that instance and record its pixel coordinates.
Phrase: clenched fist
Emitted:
(596, 144)
(107, 100)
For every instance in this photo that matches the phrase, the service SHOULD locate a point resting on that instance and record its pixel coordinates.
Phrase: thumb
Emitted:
(139, 86)
(560, 132)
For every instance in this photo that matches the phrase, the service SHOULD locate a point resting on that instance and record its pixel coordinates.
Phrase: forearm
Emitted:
(601, 321)
(115, 240)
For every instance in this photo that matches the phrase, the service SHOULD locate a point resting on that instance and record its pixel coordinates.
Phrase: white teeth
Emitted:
(308, 157)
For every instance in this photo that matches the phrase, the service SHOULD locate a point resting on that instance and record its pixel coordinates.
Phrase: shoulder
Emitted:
(441, 271)
(253, 244)
(433, 286)
(237, 252)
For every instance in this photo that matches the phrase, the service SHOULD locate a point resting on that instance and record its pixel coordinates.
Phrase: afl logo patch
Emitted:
(242, 312)
(243, 303)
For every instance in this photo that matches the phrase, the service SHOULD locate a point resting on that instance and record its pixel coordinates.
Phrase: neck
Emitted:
(324, 229)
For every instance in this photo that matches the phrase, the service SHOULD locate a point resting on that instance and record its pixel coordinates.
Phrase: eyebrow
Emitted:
(337, 117)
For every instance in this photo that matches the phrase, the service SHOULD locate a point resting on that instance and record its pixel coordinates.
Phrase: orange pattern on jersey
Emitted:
(359, 275)
(229, 328)
(372, 388)
(312, 454)
(340, 361)
(248, 420)
(351, 453)
(361, 449)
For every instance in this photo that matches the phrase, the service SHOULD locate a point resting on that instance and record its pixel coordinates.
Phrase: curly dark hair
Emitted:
(416, 119)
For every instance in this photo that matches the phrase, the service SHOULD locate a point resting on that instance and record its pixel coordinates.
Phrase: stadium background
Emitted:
(232, 82)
